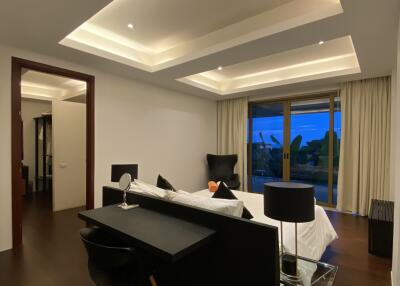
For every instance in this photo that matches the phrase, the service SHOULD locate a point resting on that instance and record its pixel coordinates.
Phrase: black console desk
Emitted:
(165, 236)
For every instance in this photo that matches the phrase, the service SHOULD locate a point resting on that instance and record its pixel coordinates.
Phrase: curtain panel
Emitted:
(365, 144)
(232, 133)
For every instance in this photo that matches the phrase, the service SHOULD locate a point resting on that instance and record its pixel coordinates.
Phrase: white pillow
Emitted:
(142, 187)
(229, 207)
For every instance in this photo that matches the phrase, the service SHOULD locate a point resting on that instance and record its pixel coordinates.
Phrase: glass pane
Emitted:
(267, 147)
(309, 144)
(337, 128)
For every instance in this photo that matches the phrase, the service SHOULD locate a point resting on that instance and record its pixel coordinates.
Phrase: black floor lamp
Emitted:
(289, 202)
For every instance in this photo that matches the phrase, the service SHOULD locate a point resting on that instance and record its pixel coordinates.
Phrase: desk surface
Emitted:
(166, 236)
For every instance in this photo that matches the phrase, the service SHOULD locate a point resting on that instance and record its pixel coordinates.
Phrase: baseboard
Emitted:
(336, 210)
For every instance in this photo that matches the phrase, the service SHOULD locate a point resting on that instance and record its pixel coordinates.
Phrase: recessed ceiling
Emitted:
(168, 33)
(43, 86)
(161, 25)
(321, 60)
(35, 32)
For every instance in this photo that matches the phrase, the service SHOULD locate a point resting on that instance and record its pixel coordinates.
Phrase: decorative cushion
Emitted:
(164, 184)
(224, 192)
(212, 186)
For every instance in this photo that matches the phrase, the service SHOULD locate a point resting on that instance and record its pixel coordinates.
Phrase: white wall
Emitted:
(164, 131)
(30, 109)
(69, 155)
(396, 170)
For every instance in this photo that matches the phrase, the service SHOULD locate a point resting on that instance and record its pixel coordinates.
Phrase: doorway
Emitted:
(296, 140)
(43, 122)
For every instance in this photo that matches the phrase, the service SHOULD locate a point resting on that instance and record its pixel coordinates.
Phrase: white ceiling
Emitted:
(43, 86)
(317, 61)
(371, 24)
(169, 33)
(161, 25)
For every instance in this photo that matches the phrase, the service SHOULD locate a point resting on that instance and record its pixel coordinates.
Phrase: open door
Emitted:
(69, 151)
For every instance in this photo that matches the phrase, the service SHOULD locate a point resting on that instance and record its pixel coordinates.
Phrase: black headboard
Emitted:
(245, 252)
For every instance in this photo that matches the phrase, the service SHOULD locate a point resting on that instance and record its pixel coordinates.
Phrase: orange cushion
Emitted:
(212, 186)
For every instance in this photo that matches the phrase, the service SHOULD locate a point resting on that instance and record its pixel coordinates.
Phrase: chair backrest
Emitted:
(112, 262)
(105, 252)
(117, 170)
(221, 166)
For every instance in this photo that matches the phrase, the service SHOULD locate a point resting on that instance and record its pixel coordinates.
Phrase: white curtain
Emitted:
(232, 133)
(365, 144)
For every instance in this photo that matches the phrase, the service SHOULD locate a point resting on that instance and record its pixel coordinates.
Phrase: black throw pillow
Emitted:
(224, 192)
(162, 183)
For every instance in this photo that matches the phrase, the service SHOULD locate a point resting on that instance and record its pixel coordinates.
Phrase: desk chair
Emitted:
(112, 262)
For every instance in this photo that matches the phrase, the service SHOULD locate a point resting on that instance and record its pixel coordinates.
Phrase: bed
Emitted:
(313, 237)
(243, 252)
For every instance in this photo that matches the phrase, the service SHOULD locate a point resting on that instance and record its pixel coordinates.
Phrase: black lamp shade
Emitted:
(118, 170)
(289, 202)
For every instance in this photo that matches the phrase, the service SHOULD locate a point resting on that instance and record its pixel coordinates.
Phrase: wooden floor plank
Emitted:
(350, 253)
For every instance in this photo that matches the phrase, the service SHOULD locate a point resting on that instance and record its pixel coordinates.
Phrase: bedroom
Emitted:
(164, 112)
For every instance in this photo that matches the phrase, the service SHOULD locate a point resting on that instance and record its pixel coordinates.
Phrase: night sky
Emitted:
(310, 126)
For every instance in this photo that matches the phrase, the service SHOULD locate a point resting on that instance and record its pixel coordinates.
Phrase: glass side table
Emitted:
(314, 273)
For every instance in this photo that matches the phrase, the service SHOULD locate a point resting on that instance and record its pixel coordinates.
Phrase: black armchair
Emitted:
(221, 169)
(112, 262)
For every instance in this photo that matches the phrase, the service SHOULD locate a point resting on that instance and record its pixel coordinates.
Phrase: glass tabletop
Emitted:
(313, 272)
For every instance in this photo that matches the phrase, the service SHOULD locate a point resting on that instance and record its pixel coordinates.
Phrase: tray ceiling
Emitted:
(260, 45)
(321, 60)
(43, 86)
(162, 34)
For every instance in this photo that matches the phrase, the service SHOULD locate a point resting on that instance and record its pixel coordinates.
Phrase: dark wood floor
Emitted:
(54, 255)
(350, 253)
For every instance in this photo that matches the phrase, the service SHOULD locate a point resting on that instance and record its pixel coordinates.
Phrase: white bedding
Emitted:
(313, 237)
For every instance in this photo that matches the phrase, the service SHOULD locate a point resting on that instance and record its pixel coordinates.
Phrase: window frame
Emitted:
(286, 101)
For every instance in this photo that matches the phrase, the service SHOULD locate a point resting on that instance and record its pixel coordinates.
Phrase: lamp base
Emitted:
(125, 206)
(289, 268)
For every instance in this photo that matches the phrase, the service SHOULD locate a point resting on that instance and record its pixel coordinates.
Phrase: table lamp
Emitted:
(289, 202)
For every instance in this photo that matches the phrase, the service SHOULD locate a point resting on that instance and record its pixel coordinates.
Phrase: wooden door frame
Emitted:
(17, 64)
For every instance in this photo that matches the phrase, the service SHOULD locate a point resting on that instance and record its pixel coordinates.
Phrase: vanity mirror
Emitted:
(125, 184)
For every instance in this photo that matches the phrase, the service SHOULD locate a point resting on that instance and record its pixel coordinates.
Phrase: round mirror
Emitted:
(125, 181)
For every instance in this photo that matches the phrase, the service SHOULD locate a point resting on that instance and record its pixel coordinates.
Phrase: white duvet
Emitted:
(313, 237)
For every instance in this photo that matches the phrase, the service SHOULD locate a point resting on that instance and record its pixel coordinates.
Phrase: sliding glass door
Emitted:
(309, 146)
(267, 148)
(337, 128)
(296, 140)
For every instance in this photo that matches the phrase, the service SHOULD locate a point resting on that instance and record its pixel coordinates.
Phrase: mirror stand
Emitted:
(124, 184)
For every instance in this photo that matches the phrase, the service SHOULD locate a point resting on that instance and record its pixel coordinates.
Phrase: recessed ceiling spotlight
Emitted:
(219, 68)
(130, 26)
(321, 42)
